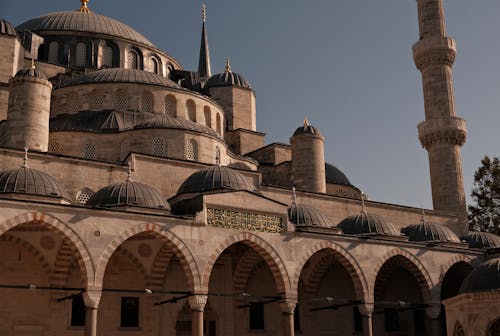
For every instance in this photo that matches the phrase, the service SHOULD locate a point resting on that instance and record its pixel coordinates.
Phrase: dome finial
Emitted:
(294, 196)
(83, 8)
(129, 177)
(204, 12)
(363, 206)
(228, 65)
(25, 159)
(32, 63)
(422, 218)
(306, 122)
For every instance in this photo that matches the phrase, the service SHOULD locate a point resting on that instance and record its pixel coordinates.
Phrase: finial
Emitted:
(25, 159)
(422, 218)
(491, 225)
(294, 196)
(363, 207)
(32, 63)
(129, 177)
(83, 8)
(204, 12)
(228, 65)
(306, 122)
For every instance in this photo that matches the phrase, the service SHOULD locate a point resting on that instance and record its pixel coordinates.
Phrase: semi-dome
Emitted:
(305, 215)
(128, 193)
(365, 223)
(86, 22)
(6, 28)
(166, 121)
(215, 178)
(120, 75)
(427, 231)
(482, 240)
(306, 129)
(228, 78)
(485, 277)
(25, 180)
(335, 176)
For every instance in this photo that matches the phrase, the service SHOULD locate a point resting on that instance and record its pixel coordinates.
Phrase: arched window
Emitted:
(96, 101)
(53, 55)
(155, 65)
(217, 155)
(208, 116)
(74, 104)
(219, 124)
(54, 147)
(84, 195)
(170, 68)
(192, 150)
(171, 106)
(90, 151)
(124, 149)
(147, 102)
(120, 101)
(81, 54)
(459, 331)
(107, 56)
(133, 59)
(159, 147)
(191, 110)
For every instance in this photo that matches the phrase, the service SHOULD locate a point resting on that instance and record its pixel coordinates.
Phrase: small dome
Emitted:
(128, 193)
(214, 178)
(485, 277)
(166, 121)
(6, 28)
(304, 215)
(306, 129)
(335, 176)
(365, 223)
(427, 231)
(29, 181)
(227, 78)
(482, 240)
(30, 72)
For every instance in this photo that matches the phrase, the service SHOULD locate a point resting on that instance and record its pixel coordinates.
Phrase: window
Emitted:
(54, 147)
(133, 60)
(219, 125)
(81, 54)
(73, 104)
(170, 106)
(147, 102)
(90, 151)
(191, 110)
(124, 149)
(208, 116)
(77, 311)
(53, 55)
(84, 195)
(96, 102)
(120, 102)
(129, 317)
(217, 155)
(159, 147)
(155, 65)
(192, 150)
(107, 56)
(391, 319)
(358, 320)
(256, 316)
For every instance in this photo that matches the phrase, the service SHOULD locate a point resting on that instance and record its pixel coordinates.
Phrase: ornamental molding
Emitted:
(243, 220)
(431, 51)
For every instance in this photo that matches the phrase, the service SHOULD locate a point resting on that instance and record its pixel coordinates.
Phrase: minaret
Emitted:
(442, 133)
(204, 63)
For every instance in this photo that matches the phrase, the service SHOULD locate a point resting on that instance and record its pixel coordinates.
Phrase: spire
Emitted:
(204, 63)
(228, 65)
(83, 8)
(25, 159)
(363, 207)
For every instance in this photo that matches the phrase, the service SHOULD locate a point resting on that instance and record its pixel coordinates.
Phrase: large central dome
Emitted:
(88, 22)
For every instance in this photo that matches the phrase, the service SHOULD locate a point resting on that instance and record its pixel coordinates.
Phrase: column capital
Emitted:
(197, 302)
(288, 306)
(366, 309)
(92, 297)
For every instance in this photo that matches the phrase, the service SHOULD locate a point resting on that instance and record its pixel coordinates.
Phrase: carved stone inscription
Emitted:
(244, 220)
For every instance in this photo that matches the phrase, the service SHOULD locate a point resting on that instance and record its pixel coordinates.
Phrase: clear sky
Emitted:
(346, 65)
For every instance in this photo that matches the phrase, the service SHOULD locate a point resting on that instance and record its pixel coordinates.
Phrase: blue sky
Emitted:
(346, 65)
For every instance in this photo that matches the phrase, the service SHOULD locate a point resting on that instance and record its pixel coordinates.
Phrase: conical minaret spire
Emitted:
(204, 62)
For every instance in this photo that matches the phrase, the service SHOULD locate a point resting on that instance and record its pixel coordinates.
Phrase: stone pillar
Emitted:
(434, 314)
(91, 298)
(288, 310)
(442, 133)
(197, 303)
(366, 311)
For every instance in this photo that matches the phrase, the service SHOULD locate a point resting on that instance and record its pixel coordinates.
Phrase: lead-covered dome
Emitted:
(30, 72)
(227, 78)
(306, 129)
(128, 193)
(6, 28)
(25, 180)
(365, 223)
(166, 121)
(215, 178)
(335, 176)
(86, 22)
(482, 240)
(427, 231)
(304, 215)
(485, 277)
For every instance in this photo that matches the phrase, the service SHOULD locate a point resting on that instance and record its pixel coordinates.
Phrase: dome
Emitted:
(485, 277)
(6, 28)
(165, 121)
(335, 176)
(214, 178)
(128, 193)
(31, 72)
(482, 240)
(304, 215)
(120, 75)
(306, 129)
(365, 223)
(87, 22)
(228, 78)
(427, 231)
(25, 180)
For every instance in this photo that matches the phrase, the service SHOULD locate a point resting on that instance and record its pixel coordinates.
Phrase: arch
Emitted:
(208, 116)
(452, 262)
(218, 124)
(62, 264)
(159, 267)
(411, 264)
(346, 260)
(53, 54)
(156, 65)
(173, 242)
(246, 265)
(170, 105)
(134, 260)
(107, 56)
(191, 110)
(133, 59)
(83, 257)
(81, 54)
(263, 248)
(31, 249)
(147, 102)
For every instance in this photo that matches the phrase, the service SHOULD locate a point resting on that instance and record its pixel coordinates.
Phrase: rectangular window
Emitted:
(256, 314)
(391, 319)
(129, 312)
(77, 311)
(358, 320)
(419, 320)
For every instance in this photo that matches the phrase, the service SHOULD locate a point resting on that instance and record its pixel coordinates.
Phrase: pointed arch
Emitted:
(159, 267)
(171, 240)
(134, 260)
(263, 248)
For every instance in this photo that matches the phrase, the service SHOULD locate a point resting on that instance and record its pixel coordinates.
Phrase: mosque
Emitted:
(138, 198)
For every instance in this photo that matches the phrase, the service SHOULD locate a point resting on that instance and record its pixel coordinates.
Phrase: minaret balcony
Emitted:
(434, 51)
(451, 130)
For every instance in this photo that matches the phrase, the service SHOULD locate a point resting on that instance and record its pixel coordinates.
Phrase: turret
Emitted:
(308, 159)
(29, 110)
(442, 133)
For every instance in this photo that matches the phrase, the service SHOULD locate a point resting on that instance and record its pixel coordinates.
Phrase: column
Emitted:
(91, 298)
(288, 310)
(434, 315)
(366, 311)
(197, 303)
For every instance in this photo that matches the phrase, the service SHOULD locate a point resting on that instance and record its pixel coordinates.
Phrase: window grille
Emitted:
(74, 104)
(53, 52)
(208, 116)
(170, 106)
(256, 316)
(191, 110)
(96, 102)
(120, 102)
(159, 147)
(129, 314)
(107, 56)
(54, 147)
(192, 150)
(219, 125)
(133, 60)
(90, 151)
(147, 103)
(84, 195)
(81, 54)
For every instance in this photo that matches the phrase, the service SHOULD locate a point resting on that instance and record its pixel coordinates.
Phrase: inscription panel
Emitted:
(244, 220)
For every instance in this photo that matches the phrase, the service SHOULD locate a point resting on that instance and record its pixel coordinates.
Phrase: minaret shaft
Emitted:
(442, 133)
